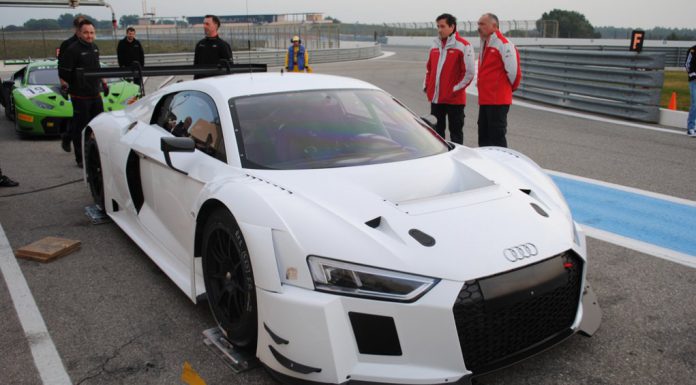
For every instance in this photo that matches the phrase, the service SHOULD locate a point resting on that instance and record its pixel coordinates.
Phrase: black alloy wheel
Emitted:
(93, 169)
(229, 279)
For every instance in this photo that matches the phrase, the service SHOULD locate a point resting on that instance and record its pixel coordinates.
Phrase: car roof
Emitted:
(231, 86)
(50, 63)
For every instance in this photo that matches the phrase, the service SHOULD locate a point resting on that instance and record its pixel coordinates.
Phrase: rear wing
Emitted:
(136, 71)
(10, 62)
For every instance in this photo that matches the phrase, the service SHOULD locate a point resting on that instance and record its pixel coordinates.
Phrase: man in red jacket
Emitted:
(449, 71)
(498, 76)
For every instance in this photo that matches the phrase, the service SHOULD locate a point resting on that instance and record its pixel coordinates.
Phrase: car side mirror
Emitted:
(176, 144)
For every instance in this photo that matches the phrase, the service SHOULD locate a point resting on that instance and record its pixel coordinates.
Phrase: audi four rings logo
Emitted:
(518, 253)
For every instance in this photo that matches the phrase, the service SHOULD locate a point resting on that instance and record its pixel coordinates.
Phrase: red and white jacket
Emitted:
(450, 69)
(499, 71)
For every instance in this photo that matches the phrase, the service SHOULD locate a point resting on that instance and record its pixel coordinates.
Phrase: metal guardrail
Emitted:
(674, 56)
(273, 58)
(623, 84)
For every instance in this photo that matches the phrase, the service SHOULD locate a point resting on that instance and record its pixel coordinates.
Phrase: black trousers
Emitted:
(84, 110)
(455, 116)
(492, 125)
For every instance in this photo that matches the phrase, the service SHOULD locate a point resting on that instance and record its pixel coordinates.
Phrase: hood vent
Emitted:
(422, 238)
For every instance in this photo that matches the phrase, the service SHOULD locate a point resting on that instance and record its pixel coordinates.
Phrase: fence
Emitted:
(623, 84)
(674, 56)
(175, 38)
(520, 28)
(269, 57)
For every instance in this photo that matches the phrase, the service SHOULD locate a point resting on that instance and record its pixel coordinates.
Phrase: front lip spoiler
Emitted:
(288, 380)
(526, 353)
(591, 313)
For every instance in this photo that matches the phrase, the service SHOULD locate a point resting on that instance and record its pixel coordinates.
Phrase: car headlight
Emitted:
(41, 104)
(364, 281)
(129, 101)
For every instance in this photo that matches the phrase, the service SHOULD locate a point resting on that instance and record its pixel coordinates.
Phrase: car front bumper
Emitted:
(456, 331)
(36, 124)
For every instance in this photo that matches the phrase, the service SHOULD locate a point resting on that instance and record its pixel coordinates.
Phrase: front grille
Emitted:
(54, 126)
(522, 313)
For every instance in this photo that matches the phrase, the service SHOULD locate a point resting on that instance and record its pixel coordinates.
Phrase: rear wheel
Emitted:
(229, 279)
(93, 169)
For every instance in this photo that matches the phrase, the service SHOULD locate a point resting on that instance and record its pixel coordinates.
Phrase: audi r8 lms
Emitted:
(337, 237)
(33, 100)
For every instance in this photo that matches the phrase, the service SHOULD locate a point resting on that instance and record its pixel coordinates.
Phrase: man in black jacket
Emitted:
(212, 49)
(130, 50)
(84, 93)
(65, 136)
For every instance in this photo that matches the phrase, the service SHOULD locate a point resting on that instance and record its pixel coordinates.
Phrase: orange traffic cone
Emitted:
(673, 101)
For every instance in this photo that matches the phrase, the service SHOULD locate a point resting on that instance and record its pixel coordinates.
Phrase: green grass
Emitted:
(675, 81)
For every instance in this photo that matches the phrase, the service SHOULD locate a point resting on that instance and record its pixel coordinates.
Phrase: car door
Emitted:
(168, 195)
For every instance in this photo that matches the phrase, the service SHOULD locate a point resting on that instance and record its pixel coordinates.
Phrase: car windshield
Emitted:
(328, 128)
(44, 77)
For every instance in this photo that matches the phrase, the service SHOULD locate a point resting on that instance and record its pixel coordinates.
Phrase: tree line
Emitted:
(571, 24)
(65, 21)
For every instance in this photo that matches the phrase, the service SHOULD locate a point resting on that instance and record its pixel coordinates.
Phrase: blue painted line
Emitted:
(647, 219)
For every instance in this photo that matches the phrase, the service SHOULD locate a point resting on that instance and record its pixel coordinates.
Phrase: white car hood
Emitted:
(472, 219)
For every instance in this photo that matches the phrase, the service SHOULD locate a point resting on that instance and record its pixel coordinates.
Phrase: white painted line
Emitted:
(46, 358)
(517, 102)
(165, 82)
(651, 194)
(646, 248)
(385, 54)
(472, 90)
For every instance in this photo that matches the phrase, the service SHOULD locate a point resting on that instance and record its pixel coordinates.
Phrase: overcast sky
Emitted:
(620, 13)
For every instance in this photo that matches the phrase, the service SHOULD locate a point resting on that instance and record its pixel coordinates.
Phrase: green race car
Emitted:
(32, 99)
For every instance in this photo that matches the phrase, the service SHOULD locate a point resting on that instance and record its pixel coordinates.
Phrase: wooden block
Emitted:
(48, 249)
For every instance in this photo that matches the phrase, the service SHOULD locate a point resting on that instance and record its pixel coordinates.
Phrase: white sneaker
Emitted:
(691, 133)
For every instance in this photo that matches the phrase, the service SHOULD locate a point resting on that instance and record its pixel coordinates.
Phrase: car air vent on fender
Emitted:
(374, 223)
(539, 210)
(422, 238)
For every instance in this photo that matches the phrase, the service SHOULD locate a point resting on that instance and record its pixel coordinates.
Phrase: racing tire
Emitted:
(229, 279)
(9, 110)
(93, 171)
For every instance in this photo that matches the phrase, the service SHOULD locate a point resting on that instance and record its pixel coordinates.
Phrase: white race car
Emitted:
(336, 235)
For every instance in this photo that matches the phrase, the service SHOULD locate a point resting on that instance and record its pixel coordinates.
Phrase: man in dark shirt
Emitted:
(690, 66)
(212, 49)
(65, 136)
(130, 50)
(84, 93)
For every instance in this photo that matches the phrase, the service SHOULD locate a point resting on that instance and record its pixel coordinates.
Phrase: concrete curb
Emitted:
(673, 118)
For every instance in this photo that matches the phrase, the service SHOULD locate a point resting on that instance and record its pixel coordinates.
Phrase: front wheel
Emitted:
(93, 169)
(229, 279)
(9, 109)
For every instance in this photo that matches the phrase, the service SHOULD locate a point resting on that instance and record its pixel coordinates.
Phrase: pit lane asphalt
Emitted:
(116, 318)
